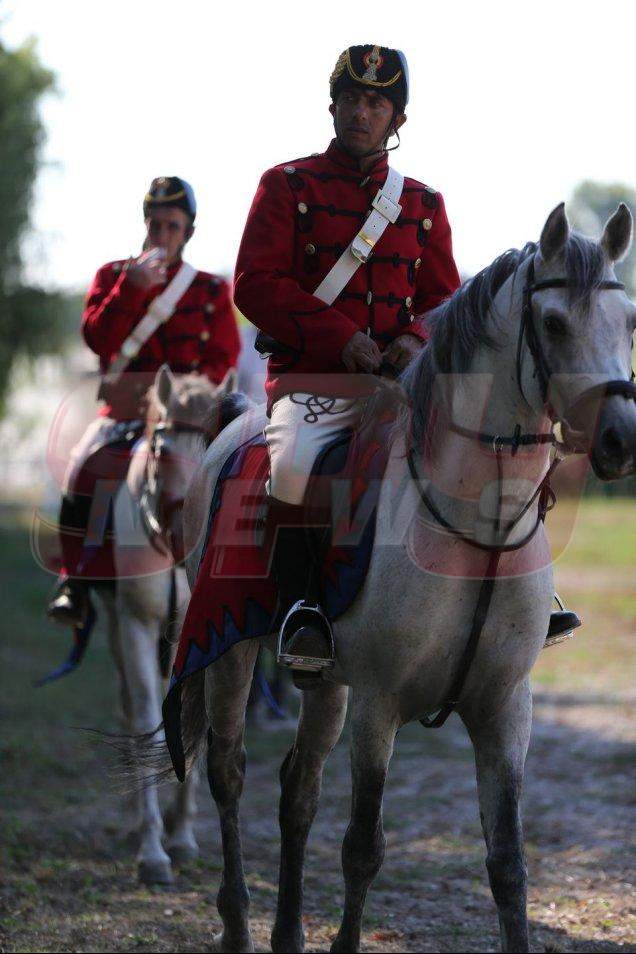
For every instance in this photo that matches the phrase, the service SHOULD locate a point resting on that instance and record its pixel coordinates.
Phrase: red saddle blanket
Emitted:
(234, 597)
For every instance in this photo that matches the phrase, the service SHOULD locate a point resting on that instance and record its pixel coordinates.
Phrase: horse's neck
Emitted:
(487, 398)
(466, 479)
(137, 469)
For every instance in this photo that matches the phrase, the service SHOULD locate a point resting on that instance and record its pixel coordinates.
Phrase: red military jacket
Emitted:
(303, 216)
(201, 335)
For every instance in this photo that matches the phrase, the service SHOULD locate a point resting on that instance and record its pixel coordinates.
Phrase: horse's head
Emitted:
(185, 414)
(561, 327)
(579, 325)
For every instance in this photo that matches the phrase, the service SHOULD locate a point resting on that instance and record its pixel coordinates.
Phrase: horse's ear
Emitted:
(617, 234)
(164, 383)
(229, 382)
(555, 234)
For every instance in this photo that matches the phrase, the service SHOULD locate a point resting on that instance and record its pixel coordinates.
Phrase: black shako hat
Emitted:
(170, 192)
(372, 67)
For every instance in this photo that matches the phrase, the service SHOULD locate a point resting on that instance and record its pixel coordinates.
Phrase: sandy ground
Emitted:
(68, 884)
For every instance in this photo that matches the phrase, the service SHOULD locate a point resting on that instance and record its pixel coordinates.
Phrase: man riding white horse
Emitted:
(340, 258)
(139, 314)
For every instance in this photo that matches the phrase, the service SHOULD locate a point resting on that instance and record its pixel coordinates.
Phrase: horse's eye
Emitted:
(555, 326)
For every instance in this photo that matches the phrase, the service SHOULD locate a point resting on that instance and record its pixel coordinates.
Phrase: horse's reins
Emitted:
(543, 493)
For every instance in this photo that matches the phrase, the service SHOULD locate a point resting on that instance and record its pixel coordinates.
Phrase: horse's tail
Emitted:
(149, 758)
(185, 723)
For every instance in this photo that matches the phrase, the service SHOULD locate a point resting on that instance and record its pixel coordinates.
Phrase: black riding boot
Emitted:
(71, 601)
(305, 639)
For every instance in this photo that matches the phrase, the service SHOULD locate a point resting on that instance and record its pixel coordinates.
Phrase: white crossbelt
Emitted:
(159, 311)
(386, 209)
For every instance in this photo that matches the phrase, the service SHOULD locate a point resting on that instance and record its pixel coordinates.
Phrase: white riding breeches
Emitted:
(299, 426)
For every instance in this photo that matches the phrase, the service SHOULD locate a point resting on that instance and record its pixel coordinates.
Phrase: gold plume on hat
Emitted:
(373, 61)
(339, 68)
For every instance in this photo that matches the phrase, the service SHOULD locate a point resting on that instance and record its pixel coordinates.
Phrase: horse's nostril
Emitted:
(612, 447)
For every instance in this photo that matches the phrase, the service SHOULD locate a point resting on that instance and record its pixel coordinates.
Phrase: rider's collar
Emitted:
(336, 154)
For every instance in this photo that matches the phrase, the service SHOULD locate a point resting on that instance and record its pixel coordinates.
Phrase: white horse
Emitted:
(184, 414)
(448, 618)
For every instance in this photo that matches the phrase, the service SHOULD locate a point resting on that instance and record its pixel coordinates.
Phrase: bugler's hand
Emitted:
(149, 269)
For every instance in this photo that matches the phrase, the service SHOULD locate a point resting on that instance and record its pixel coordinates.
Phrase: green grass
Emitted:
(40, 742)
(598, 533)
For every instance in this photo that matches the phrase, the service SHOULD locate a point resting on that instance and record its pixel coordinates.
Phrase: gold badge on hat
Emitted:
(373, 61)
(161, 186)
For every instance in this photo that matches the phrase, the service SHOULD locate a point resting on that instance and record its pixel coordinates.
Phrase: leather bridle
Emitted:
(528, 331)
(498, 443)
(155, 514)
(544, 493)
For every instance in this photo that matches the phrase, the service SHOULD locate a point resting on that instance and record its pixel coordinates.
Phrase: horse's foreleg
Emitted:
(227, 687)
(373, 733)
(132, 803)
(179, 820)
(501, 743)
(114, 643)
(322, 717)
(139, 652)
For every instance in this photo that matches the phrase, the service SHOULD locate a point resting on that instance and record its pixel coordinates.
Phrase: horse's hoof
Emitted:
(181, 855)
(226, 945)
(155, 872)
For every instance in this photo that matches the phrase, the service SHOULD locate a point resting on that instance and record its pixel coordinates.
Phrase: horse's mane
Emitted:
(459, 326)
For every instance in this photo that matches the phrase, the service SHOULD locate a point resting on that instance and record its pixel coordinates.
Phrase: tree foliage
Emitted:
(590, 207)
(32, 320)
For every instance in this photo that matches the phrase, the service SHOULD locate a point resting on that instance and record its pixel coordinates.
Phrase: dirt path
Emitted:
(70, 885)
(67, 876)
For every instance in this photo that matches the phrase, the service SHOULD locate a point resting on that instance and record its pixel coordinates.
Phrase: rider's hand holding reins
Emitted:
(402, 350)
(149, 269)
(361, 353)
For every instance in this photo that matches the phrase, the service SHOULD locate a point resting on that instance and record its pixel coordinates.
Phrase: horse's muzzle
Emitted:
(613, 449)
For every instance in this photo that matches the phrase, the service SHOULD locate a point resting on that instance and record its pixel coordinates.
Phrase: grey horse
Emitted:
(403, 641)
(186, 412)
